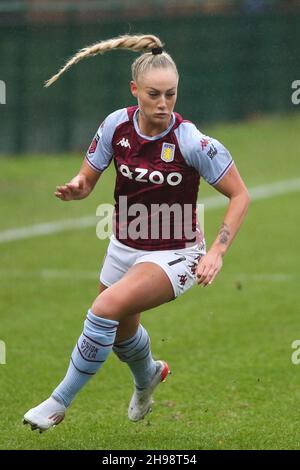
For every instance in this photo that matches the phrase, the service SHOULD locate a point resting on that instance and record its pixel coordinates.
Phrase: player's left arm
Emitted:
(232, 186)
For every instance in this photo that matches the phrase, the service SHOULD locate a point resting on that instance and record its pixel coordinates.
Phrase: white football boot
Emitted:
(49, 413)
(141, 400)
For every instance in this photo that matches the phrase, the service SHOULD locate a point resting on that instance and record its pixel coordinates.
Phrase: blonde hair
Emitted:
(134, 43)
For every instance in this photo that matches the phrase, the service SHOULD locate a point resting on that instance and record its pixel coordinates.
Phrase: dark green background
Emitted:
(232, 67)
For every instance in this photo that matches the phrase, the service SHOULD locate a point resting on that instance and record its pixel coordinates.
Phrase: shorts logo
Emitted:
(193, 267)
(182, 279)
(167, 152)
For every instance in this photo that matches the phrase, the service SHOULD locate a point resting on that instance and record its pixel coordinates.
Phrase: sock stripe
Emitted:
(127, 358)
(135, 345)
(88, 360)
(141, 358)
(96, 342)
(88, 356)
(140, 350)
(82, 371)
(125, 344)
(112, 328)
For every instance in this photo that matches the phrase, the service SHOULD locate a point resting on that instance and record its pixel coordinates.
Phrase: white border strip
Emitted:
(265, 191)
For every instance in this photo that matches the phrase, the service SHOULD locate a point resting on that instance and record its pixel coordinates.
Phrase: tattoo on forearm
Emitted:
(224, 234)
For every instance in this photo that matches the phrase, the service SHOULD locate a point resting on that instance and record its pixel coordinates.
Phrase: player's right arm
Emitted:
(80, 186)
(97, 159)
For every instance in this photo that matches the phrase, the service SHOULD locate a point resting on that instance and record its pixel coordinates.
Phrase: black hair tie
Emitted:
(157, 50)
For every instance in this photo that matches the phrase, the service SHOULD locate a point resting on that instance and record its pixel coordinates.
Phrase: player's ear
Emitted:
(133, 88)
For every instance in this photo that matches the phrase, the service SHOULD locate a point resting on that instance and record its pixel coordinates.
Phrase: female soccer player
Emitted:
(156, 256)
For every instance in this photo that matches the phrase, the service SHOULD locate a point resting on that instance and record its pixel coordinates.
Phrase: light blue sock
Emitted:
(90, 352)
(136, 353)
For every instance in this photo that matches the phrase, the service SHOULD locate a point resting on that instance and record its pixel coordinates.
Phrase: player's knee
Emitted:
(108, 306)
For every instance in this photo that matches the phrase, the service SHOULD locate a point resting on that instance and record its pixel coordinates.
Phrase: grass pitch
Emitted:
(229, 346)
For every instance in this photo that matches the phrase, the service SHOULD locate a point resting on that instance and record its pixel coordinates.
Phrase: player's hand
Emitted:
(73, 190)
(208, 267)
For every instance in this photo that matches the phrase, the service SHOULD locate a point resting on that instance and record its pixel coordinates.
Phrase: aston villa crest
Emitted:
(167, 152)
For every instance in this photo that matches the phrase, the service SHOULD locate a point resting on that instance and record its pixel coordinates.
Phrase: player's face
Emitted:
(156, 92)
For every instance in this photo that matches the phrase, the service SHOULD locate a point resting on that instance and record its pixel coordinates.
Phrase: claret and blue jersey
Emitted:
(164, 169)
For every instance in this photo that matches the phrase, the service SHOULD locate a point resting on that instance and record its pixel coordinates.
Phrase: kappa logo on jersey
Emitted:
(167, 152)
(94, 144)
(124, 143)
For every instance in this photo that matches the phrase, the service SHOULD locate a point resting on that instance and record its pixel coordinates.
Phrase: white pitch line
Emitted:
(264, 191)
(48, 228)
(48, 274)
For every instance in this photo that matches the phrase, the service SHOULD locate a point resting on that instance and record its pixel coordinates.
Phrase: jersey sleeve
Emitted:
(207, 155)
(100, 152)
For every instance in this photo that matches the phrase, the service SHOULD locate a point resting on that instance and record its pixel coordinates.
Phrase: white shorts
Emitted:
(179, 265)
